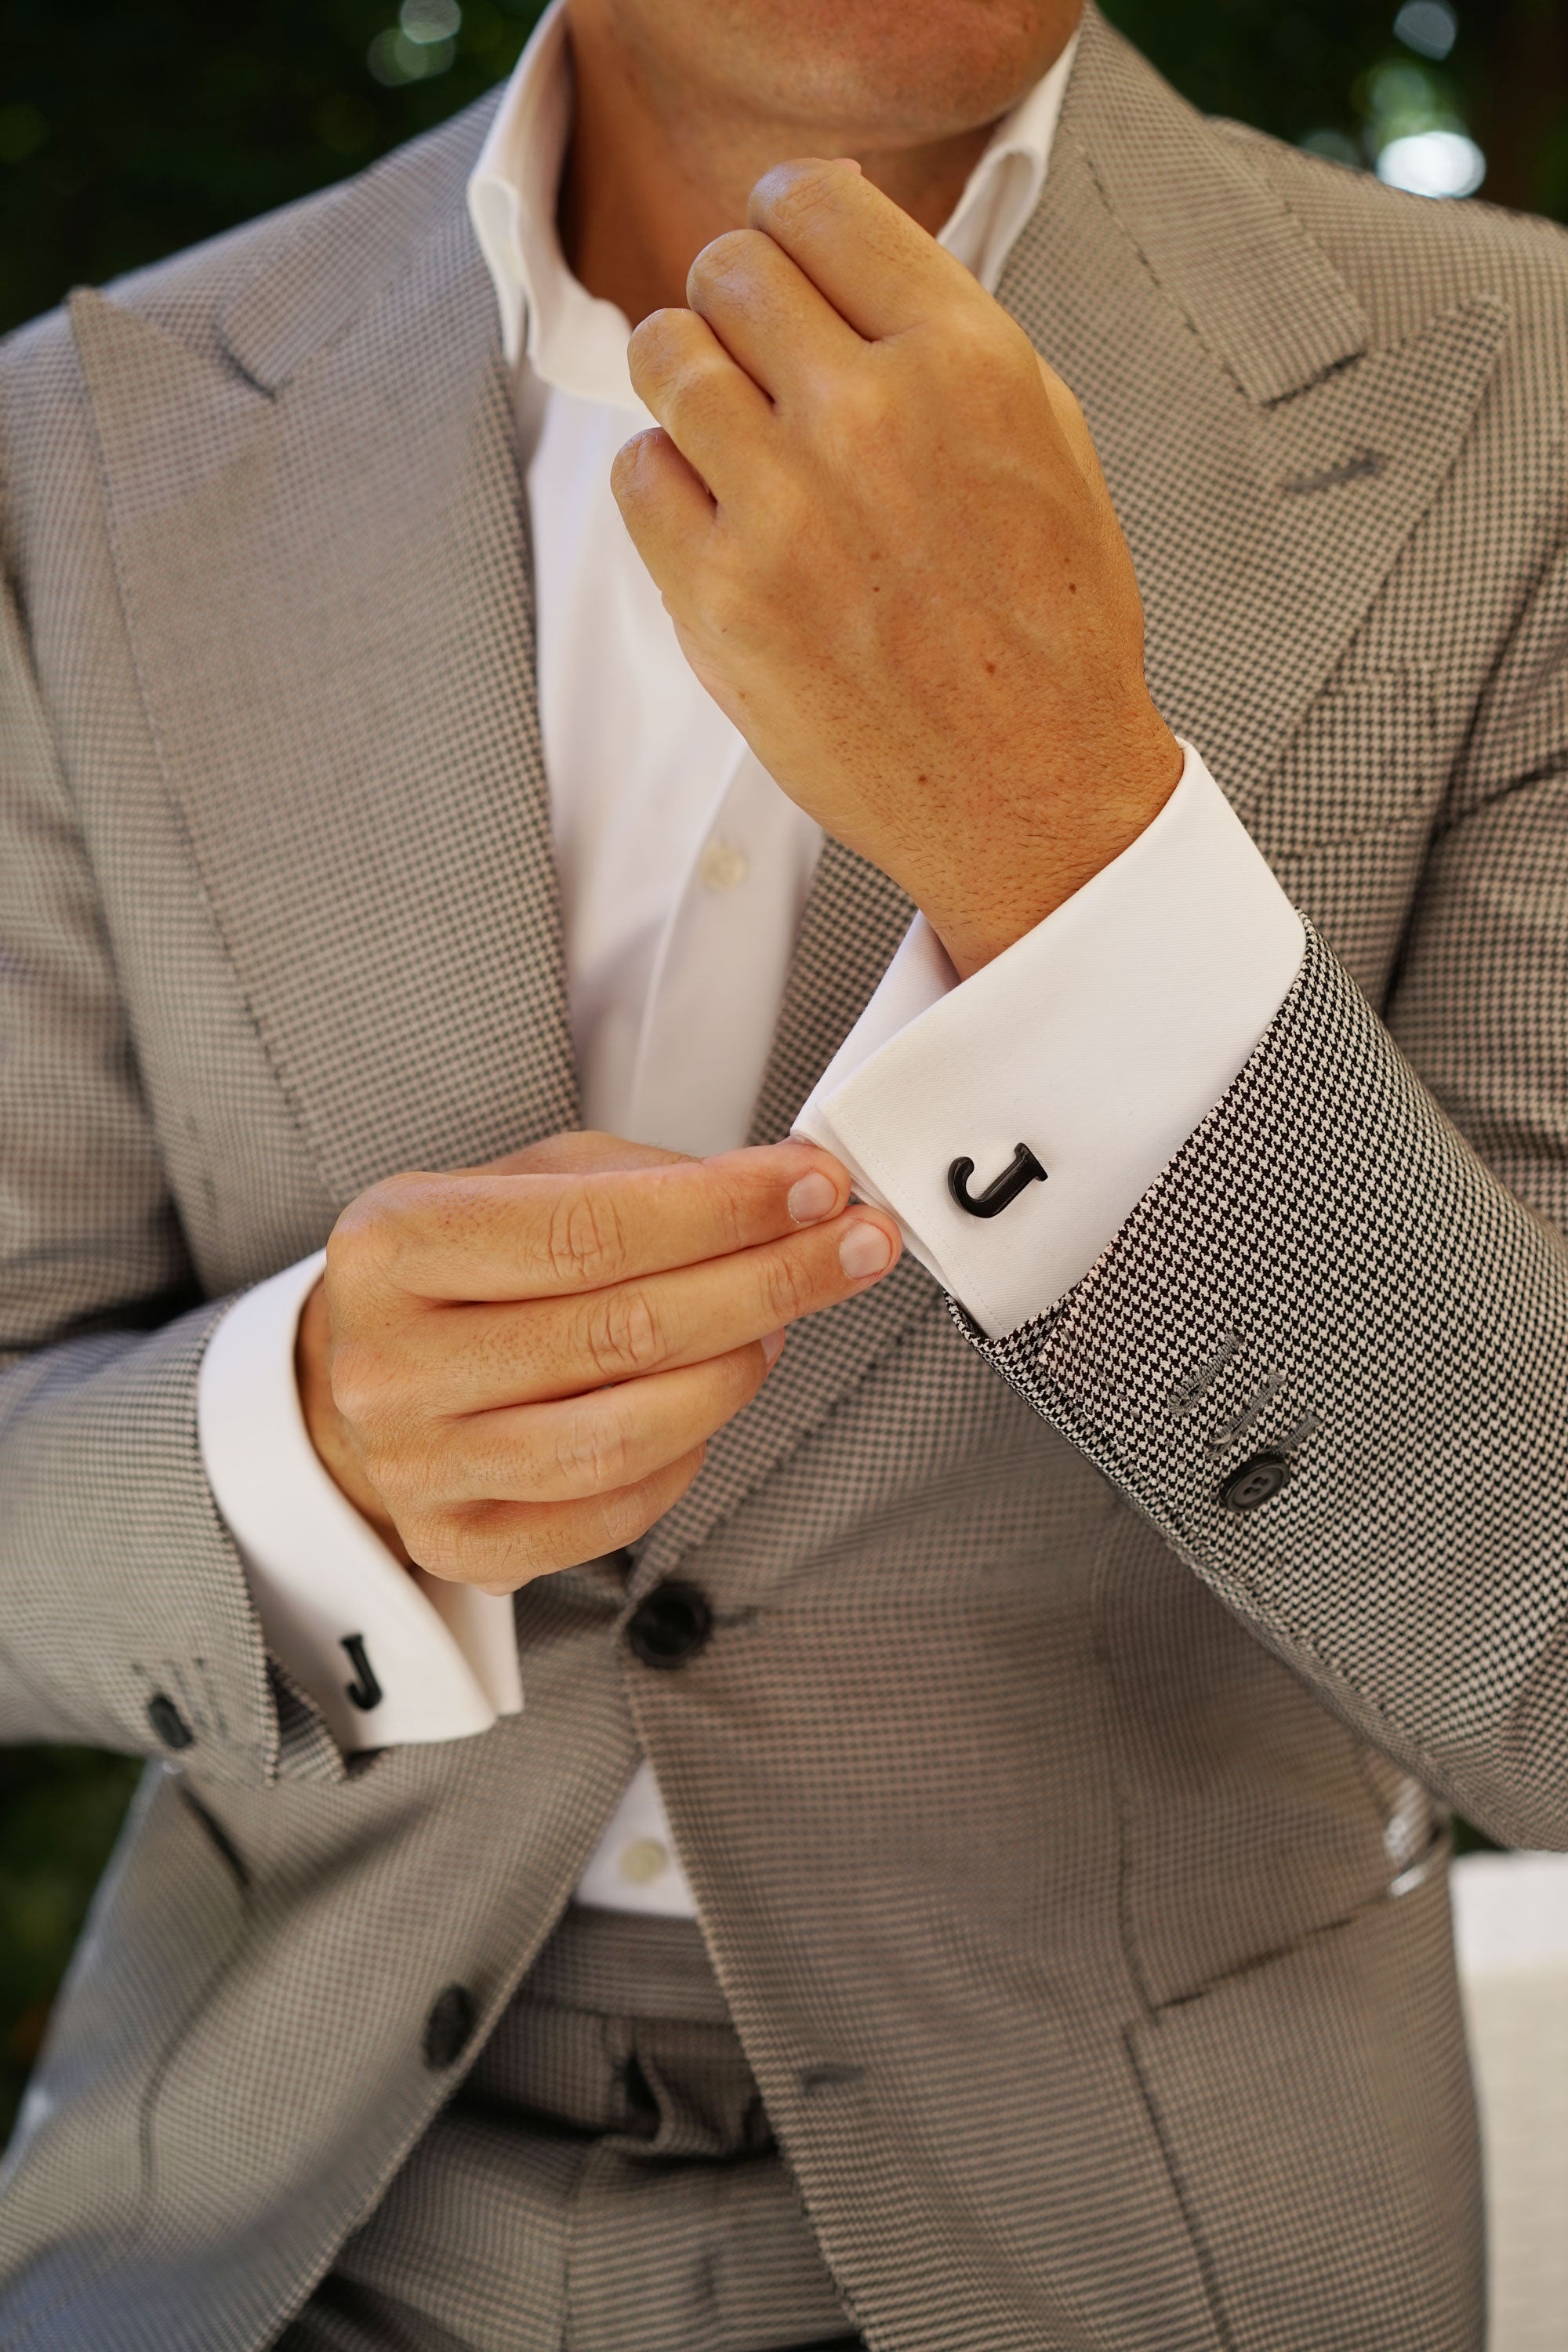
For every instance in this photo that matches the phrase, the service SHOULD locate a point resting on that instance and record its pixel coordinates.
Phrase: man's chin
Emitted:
(859, 74)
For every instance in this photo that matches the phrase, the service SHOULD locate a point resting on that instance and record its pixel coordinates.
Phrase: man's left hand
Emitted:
(878, 524)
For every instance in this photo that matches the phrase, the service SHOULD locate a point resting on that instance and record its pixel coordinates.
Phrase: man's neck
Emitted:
(653, 174)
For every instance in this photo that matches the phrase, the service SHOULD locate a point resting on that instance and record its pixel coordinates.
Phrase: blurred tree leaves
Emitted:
(128, 130)
(59, 1810)
(1296, 68)
(130, 127)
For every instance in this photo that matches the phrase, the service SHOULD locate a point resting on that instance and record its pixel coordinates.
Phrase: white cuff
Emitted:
(443, 1656)
(1101, 1040)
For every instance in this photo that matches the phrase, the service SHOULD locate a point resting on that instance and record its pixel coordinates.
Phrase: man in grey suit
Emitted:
(1054, 1687)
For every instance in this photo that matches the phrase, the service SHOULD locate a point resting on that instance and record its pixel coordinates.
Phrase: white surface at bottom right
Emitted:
(1511, 1925)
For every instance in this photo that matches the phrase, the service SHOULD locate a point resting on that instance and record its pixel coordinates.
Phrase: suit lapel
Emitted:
(322, 560)
(1268, 464)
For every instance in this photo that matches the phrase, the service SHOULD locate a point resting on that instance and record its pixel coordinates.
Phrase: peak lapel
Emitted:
(1267, 463)
(327, 592)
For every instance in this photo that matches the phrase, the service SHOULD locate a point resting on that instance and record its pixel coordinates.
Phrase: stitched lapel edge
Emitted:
(1235, 261)
(1380, 428)
(346, 248)
(207, 552)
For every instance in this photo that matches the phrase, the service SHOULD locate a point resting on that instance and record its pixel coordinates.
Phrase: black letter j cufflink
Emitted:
(1002, 1191)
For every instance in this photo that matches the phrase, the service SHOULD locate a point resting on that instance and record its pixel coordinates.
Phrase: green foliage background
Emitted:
(130, 127)
(128, 131)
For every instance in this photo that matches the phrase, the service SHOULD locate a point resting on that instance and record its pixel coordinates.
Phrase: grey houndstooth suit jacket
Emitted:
(1069, 1845)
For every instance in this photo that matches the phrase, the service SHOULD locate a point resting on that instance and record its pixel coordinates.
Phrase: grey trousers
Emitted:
(605, 2181)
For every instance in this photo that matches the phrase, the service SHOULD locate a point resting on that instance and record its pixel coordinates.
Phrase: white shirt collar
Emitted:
(577, 343)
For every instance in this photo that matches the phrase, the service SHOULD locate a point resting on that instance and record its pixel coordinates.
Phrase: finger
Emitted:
(476, 1235)
(592, 1444)
(583, 1152)
(770, 317)
(716, 417)
(501, 1546)
(664, 505)
(468, 1360)
(877, 266)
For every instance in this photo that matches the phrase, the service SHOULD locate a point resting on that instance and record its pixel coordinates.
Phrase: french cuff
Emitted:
(1096, 1044)
(390, 1655)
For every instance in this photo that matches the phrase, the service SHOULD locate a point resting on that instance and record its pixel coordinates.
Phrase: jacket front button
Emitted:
(1258, 1481)
(448, 2026)
(168, 1724)
(671, 1624)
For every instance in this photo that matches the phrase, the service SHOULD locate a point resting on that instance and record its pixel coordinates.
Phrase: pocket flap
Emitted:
(1365, 758)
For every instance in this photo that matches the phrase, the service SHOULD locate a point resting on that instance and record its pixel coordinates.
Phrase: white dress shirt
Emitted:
(1102, 1039)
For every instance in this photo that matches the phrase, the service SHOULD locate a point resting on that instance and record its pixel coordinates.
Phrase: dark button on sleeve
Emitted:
(168, 1724)
(671, 1624)
(1258, 1481)
(450, 2025)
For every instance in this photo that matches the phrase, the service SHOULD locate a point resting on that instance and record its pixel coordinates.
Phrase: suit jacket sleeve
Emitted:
(120, 1588)
(1357, 1265)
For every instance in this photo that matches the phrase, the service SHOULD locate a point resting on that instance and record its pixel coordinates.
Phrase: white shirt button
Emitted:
(722, 867)
(642, 1860)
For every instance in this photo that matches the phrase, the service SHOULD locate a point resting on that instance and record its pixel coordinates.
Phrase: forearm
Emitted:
(122, 1589)
(1375, 1311)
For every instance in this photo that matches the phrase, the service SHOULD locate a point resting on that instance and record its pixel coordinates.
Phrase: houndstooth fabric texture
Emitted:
(607, 2179)
(1069, 1846)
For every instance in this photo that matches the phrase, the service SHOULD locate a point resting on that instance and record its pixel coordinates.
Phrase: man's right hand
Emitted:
(513, 1369)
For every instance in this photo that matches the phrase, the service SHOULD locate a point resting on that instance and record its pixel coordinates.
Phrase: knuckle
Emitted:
(630, 1511)
(701, 389)
(357, 1242)
(991, 371)
(442, 1543)
(482, 1543)
(621, 1334)
(728, 1198)
(360, 1382)
(969, 336)
(657, 340)
(1061, 392)
(592, 1450)
(379, 1239)
(628, 468)
(727, 260)
(793, 529)
(585, 1241)
(795, 193)
(729, 603)
(863, 404)
(346, 1248)
(404, 1472)
(401, 1205)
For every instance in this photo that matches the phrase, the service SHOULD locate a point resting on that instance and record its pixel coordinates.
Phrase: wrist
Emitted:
(1011, 887)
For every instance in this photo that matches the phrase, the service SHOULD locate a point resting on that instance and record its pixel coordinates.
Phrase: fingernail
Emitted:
(864, 1250)
(813, 1198)
(772, 1346)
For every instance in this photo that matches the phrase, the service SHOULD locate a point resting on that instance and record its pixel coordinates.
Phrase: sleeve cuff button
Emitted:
(1258, 1481)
